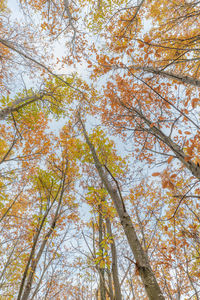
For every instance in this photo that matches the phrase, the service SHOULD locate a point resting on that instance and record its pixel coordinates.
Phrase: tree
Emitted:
(114, 213)
(152, 288)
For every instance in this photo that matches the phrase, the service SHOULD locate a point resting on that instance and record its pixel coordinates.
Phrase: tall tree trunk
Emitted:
(32, 254)
(170, 75)
(160, 135)
(101, 249)
(142, 263)
(117, 288)
(111, 292)
(25, 289)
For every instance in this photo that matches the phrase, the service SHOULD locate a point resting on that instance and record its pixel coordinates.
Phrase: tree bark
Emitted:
(142, 263)
(25, 289)
(115, 275)
(19, 104)
(170, 75)
(101, 269)
(159, 134)
(111, 292)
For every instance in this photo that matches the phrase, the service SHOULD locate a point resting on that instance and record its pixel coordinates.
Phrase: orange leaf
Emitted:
(173, 176)
(164, 184)
(141, 45)
(170, 159)
(167, 105)
(187, 158)
(147, 39)
(156, 174)
(194, 102)
(190, 151)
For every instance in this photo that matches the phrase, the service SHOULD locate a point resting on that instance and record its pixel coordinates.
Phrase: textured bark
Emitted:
(159, 134)
(18, 104)
(14, 48)
(101, 270)
(142, 263)
(35, 261)
(115, 275)
(31, 256)
(111, 293)
(27, 280)
(184, 79)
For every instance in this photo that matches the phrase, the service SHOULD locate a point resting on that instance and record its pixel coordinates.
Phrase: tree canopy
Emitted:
(99, 149)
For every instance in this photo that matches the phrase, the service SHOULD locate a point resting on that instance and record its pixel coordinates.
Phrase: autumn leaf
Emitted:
(194, 102)
(156, 174)
(170, 159)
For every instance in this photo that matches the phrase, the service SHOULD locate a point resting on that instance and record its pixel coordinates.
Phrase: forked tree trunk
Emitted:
(142, 263)
(117, 288)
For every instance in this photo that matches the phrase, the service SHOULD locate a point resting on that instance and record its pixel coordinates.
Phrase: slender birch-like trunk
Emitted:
(101, 269)
(142, 262)
(115, 275)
